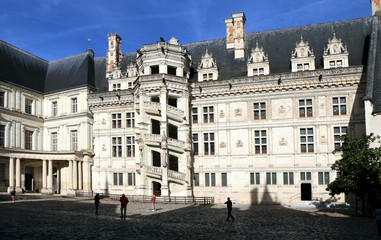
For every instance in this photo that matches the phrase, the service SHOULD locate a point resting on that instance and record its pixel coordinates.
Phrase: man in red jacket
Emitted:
(123, 206)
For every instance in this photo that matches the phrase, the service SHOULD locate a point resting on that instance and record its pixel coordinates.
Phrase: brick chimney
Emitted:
(376, 7)
(235, 34)
(114, 54)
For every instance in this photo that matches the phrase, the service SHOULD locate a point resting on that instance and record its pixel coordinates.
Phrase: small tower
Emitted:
(235, 34)
(114, 54)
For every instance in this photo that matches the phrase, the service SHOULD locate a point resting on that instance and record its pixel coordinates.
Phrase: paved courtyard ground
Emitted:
(73, 218)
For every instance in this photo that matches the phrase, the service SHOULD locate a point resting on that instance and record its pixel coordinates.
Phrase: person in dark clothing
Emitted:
(13, 195)
(123, 206)
(229, 205)
(96, 202)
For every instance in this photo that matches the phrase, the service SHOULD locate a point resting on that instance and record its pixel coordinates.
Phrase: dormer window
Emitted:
(258, 63)
(335, 54)
(207, 70)
(207, 76)
(302, 57)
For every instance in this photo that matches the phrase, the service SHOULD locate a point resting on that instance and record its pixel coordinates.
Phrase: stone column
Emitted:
(70, 175)
(80, 181)
(11, 174)
(75, 175)
(44, 172)
(86, 174)
(50, 175)
(18, 175)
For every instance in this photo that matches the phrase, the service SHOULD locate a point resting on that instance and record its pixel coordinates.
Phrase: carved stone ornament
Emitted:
(335, 46)
(258, 55)
(222, 145)
(207, 61)
(238, 112)
(103, 147)
(282, 142)
(282, 109)
(323, 139)
(103, 121)
(239, 143)
(302, 49)
(222, 114)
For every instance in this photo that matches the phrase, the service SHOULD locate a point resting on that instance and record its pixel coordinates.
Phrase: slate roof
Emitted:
(361, 36)
(373, 90)
(22, 68)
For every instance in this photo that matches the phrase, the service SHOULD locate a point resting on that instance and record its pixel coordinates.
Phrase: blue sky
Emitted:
(53, 29)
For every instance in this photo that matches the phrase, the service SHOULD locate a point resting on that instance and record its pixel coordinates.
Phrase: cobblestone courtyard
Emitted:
(67, 218)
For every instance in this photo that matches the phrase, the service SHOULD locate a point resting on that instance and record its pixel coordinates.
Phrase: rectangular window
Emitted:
(116, 119)
(28, 139)
(131, 179)
(195, 143)
(196, 179)
(205, 76)
(208, 143)
(332, 63)
(116, 146)
(118, 179)
(259, 111)
(2, 135)
(299, 67)
(116, 86)
(210, 179)
(194, 115)
(339, 63)
(288, 178)
(323, 178)
(2, 99)
(130, 146)
(207, 179)
(260, 140)
(224, 179)
(338, 135)
(339, 105)
(305, 176)
(54, 141)
(306, 66)
(130, 119)
(208, 113)
(305, 108)
(307, 140)
(28, 106)
(74, 140)
(271, 178)
(74, 105)
(54, 108)
(255, 178)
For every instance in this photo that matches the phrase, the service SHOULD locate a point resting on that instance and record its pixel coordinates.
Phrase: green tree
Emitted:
(359, 169)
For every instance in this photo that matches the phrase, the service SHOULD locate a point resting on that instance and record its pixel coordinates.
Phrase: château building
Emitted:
(253, 116)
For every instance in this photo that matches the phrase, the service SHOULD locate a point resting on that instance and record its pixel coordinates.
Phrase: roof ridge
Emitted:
(23, 51)
(69, 57)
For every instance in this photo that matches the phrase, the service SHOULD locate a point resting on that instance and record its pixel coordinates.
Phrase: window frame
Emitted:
(305, 145)
(209, 144)
(260, 142)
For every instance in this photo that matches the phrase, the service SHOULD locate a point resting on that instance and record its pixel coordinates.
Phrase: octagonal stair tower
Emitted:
(163, 124)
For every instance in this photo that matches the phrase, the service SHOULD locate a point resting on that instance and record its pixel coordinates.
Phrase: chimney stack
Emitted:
(376, 7)
(114, 54)
(235, 34)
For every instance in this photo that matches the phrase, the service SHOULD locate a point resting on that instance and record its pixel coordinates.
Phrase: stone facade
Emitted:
(254, 117)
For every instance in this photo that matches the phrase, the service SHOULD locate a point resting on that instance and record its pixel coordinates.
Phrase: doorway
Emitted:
(306, 191)
(156, 188)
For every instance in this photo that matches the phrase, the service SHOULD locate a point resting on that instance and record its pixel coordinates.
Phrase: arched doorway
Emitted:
(156, 187)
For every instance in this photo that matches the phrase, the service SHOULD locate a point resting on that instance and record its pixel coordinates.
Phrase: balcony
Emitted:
(172, 112)
(157, 172)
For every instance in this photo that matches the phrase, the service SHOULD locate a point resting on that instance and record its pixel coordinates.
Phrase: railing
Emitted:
(152, 137)
(152, 105)
(177, 175)
(172, 199)
(175, 111)
(176, 143)
(153, 170)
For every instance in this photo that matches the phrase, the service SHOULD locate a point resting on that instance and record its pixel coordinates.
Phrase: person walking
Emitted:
(13, 195)
(123, 206)
(153, 202)
(229, 205)
(97, 202)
